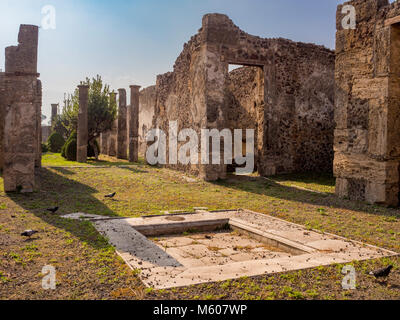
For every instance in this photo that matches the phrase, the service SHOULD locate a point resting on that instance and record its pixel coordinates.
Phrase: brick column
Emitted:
(112, 135)
(82, 143)
(134, 125)
(122, 136)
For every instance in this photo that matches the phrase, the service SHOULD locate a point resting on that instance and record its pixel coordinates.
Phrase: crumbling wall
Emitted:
(367, 136)
(21, 104)
(181, 97)
(293, 101)
(147, 104)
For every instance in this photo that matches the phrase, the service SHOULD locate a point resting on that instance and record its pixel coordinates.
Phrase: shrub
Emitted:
(44, 148)
(55, 142)
(70, 150)
(73, 136)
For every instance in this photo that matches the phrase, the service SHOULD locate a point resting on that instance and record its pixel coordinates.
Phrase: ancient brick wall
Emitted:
(367, 76)
(313, 116)
(293, 102)
(21, 105)
(147, 104)
(181, 98)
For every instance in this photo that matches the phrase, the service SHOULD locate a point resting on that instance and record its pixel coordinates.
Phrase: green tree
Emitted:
(102, 111)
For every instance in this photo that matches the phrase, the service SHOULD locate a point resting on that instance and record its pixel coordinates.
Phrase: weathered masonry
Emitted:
(287, 97)
(147, 104)
(122, 140)
(367, 112)
(20, 113)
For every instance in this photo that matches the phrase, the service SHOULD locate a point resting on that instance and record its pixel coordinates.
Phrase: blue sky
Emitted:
(131, 41)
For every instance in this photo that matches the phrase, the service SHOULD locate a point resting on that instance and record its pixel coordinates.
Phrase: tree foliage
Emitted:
(58, 126)
(101, 110)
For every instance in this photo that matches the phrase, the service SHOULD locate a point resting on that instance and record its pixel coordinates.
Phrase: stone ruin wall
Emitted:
(367, 137)
(293, 101)
(313, 117)
(21, 112)
(180, 97)
(147, 103)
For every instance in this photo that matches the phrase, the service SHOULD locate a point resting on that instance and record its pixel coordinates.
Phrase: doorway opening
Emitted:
(246, 106)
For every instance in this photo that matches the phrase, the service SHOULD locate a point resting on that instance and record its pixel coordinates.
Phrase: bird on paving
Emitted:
(111, 195)
(29, 233)
(382, 273)
(53, 210)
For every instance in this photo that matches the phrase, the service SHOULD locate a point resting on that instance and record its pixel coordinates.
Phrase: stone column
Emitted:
(54, 111)
(134, 125)
(21, 92)
(82, 143)
(38, 104)
(112, 135)
(122, 135)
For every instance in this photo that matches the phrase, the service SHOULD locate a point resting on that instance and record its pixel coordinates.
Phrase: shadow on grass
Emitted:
(63, 170)
(323, 179)
(261, 186)
(71, 196)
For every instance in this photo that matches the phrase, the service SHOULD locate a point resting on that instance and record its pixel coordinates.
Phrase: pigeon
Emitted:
(112, 195)
(53, 210)
(382, 273)
(29, 233)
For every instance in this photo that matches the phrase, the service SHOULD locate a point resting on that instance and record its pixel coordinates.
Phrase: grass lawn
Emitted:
(88, 268)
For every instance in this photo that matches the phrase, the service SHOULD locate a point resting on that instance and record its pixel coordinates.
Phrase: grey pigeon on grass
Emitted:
(111, 195)
(29, 233)
(53, 210)
(382, 273)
